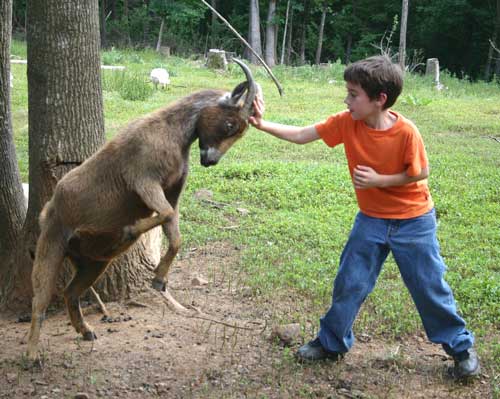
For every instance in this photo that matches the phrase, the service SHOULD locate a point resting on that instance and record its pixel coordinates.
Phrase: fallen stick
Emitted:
(198, 314)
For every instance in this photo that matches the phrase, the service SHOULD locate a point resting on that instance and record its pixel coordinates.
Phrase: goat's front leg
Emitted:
(171, 230)
(153, 197)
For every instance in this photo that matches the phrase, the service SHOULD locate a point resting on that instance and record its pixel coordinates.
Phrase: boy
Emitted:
(389, 168)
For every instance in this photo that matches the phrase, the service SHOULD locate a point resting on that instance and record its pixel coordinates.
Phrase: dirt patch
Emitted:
(151, 352)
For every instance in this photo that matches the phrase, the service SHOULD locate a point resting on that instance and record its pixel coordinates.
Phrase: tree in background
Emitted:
(271, 34)
(102, 24)
(303, 32)
(214, 26)
(350, 32)
(285, 33)
(358, 25)
(321, 32)
(289, 37)
(493, 61)
(254, 32)
(12, 206)
(402, 35)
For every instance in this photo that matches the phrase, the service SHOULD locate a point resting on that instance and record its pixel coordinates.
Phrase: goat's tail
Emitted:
(50, 253)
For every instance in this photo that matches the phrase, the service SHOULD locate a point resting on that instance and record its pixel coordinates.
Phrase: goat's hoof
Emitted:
(159, 285)
(89, 336)
(32, 361)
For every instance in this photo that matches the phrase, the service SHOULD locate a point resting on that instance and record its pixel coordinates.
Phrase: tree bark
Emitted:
(270, 56)
(305, 22)
(158, 43)
(489, 62)
(213, 26)
(282, 60)
(12, 205)
(349, 35)
(320, 34)
(497, 36)
(112, 7)
(254, 32)
(66, 126)
(289, 40)
(145, 25)
(127, 23)
(104, 41)
(402, 35)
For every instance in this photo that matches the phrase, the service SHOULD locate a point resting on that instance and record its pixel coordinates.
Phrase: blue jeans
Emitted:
(415, 249)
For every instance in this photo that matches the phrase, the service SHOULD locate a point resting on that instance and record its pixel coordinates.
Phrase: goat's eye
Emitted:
(231, 128)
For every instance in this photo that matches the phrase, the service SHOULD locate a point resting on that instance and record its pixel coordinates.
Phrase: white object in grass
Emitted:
(160, 76)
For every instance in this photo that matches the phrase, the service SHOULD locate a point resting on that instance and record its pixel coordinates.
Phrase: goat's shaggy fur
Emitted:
(99, 209)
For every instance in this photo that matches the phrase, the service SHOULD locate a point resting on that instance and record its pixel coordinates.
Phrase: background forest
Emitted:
(458, 32)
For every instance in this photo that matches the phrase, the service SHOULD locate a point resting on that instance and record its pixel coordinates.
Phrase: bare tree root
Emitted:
(100, 303)
(195, 313)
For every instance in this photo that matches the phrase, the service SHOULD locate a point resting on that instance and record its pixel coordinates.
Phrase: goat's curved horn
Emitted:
(246, 109)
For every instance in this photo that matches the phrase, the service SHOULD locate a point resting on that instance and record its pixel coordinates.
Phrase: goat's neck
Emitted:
(184, 116)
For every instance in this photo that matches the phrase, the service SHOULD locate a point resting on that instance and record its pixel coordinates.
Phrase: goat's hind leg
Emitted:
(48, 260)
(87, 272)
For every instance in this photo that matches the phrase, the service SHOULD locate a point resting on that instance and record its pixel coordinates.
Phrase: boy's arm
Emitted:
(294, 134)
(366, 177)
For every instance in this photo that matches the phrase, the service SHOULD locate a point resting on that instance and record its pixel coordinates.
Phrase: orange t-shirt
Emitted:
(395, 150)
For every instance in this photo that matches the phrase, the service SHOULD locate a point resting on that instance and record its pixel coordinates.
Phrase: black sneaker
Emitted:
(313, 351)
(466, 364)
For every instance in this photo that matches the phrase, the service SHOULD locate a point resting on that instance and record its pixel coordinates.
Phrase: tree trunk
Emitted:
(158, 43)
(271, 34)
(12, 206)
(489, 62)
(349, 35)
(497, 36)
(145, 25)
(320, 35)
(402, 35)
(112, 7)
(127, 23)
(64, 89)
(213, 26)
(254, 32)
(289, 40)
(282, 60)
(305, 22)
(348, 50)
(103, 24)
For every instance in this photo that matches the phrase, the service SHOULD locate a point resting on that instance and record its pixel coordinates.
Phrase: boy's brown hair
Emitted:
(377, 75)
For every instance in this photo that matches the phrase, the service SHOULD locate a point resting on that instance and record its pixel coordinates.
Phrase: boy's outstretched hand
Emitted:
(258, 107)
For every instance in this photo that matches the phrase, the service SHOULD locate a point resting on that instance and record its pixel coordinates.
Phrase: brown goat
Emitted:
(130, 186)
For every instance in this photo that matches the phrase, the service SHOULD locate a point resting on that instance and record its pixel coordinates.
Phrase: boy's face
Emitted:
(359, 104)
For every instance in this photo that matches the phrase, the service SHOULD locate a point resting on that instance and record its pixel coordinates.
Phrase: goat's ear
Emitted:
(238, 92)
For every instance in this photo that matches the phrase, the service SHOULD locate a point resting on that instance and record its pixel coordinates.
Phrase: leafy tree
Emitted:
(351, 34)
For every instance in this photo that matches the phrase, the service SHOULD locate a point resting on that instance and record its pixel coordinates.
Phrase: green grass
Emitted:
(300, 198)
